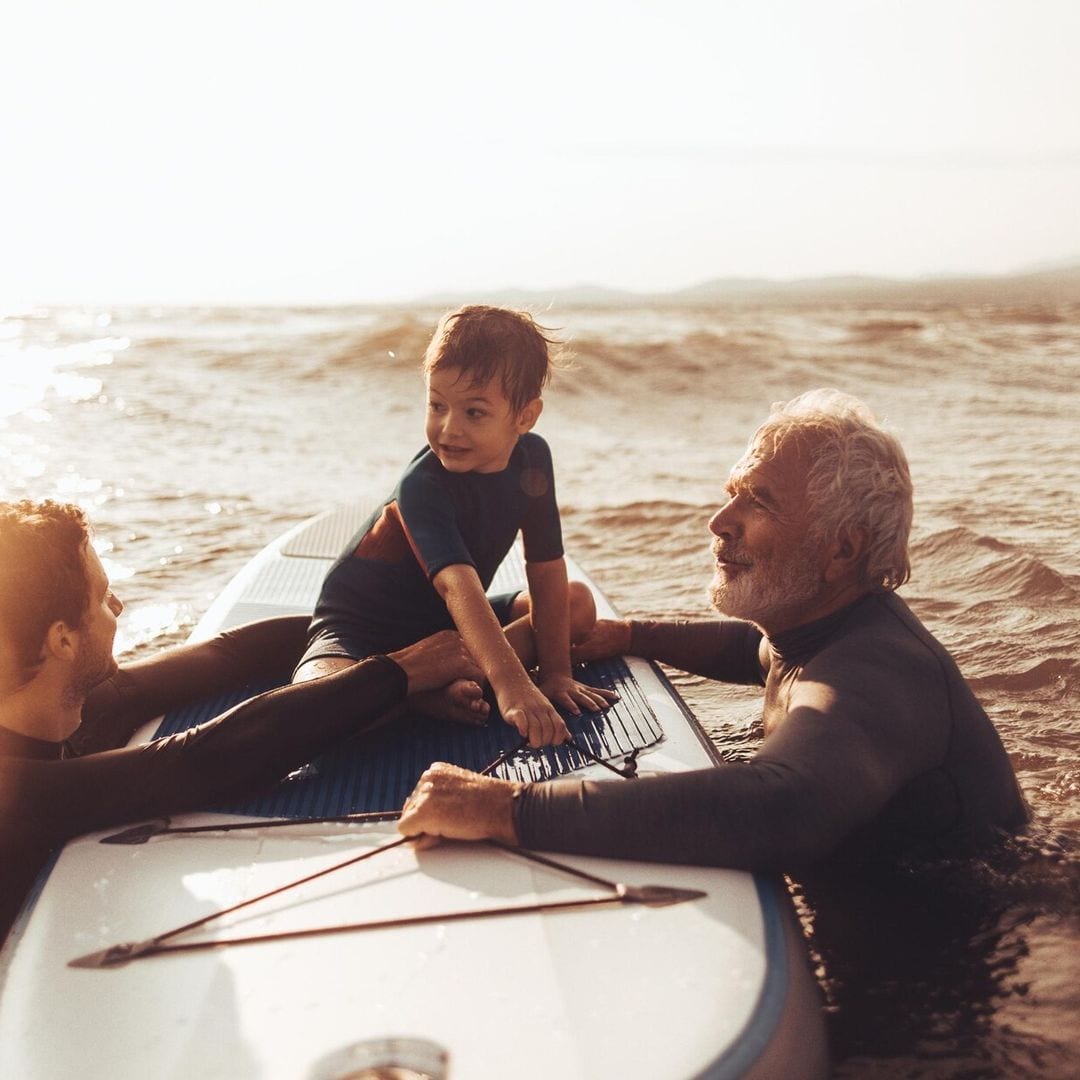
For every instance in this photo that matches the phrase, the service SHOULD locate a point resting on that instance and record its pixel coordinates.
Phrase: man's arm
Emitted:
(728, 650)
(241, 752)
(520, 702)
(256, 652)
(819, 780)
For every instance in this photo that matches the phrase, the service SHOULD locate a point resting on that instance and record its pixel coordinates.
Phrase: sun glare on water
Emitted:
(29, 374)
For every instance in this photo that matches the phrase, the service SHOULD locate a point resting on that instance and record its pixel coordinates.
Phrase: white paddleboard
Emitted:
(717, 986)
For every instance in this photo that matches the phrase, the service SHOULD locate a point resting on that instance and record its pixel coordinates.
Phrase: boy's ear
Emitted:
(526, 419)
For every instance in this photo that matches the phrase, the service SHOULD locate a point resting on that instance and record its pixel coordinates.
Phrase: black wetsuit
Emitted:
(50, 791)
(378, 596)
(875, 748)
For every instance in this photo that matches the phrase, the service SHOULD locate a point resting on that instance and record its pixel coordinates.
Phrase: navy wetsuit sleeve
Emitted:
(762, 815)
(430, 522)
(722, 649)
(823, 775)
(141, 690)
(875, 747)
(240, 752)
(713, 817)
(541, 528)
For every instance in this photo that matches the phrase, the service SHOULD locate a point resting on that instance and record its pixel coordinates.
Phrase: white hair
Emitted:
(858, 477)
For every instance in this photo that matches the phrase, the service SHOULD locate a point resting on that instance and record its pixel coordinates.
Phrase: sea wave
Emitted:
(403, 338)
(873, 331)
(1051, 673)
(984, 567)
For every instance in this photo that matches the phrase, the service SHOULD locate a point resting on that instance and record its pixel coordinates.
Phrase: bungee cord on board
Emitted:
(618, 892)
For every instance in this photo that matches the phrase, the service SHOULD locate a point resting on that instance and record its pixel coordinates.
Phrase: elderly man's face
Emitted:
(766, 569)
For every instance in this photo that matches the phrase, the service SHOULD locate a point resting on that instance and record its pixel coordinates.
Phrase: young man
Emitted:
(65, 705)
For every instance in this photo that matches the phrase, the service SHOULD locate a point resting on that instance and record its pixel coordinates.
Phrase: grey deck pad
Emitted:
(378, 771)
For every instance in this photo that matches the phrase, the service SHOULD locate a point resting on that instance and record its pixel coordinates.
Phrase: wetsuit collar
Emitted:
(797, 645)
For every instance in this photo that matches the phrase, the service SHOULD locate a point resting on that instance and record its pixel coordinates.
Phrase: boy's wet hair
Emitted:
(486, 343)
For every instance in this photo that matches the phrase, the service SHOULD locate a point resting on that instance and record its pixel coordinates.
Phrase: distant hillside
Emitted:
(568, 296)
(1050, 286)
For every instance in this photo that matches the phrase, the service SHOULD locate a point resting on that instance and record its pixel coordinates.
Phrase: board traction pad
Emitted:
(378, 771)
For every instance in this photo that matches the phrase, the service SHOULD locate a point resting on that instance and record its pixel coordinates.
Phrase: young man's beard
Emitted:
(90, 671)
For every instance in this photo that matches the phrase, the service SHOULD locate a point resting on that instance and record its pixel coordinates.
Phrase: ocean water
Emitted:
(194, 436)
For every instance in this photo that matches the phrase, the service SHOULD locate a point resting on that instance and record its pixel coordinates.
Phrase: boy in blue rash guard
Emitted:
(425, 558)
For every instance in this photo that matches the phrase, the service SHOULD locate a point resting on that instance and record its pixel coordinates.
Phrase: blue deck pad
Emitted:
(376, 772)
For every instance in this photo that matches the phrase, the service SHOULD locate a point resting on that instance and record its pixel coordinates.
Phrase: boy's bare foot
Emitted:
(462, 701)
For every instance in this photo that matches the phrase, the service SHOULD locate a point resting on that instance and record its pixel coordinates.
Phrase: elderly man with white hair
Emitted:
(875, 747)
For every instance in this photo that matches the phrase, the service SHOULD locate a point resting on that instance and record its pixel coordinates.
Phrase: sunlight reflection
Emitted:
(28, 373)
(116, 571)
(21, 456)
(72, 484)
(146, 623)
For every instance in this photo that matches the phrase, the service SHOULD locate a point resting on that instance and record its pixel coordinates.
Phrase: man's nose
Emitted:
(116, 604)
(722, 522)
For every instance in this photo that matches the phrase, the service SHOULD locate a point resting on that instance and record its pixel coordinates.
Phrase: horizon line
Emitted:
(760, 283)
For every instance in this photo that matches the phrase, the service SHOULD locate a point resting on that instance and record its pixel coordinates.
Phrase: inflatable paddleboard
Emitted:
(466, 961)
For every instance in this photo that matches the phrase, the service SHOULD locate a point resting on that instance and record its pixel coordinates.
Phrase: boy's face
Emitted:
(471, 427)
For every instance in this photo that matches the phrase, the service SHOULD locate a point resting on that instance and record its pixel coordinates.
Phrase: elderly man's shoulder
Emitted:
(882, 635)
(882, 669)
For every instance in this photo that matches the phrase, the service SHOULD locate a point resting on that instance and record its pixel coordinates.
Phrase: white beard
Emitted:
(764, 591)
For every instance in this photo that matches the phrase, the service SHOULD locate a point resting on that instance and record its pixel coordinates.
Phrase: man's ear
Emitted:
(527, 417)
(60, 641)
(846, 555)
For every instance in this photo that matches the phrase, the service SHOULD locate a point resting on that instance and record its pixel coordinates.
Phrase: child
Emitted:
(424, 559)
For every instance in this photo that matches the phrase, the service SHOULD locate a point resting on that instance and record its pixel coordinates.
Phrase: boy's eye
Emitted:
(435, 406)
(476, 414)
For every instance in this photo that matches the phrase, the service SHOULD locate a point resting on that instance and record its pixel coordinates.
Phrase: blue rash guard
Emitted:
(875, 749)
(378, 596)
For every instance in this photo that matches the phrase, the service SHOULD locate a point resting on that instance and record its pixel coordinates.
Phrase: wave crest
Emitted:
(987, 568)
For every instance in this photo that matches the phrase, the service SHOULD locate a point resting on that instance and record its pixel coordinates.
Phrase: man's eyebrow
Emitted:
(759, 493)
(763, 496)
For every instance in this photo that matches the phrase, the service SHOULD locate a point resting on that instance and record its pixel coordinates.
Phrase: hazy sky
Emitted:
(329, 150)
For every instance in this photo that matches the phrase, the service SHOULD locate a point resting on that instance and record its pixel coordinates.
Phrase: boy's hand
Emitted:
(535, 719)
(575, 696)
(608, 637)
